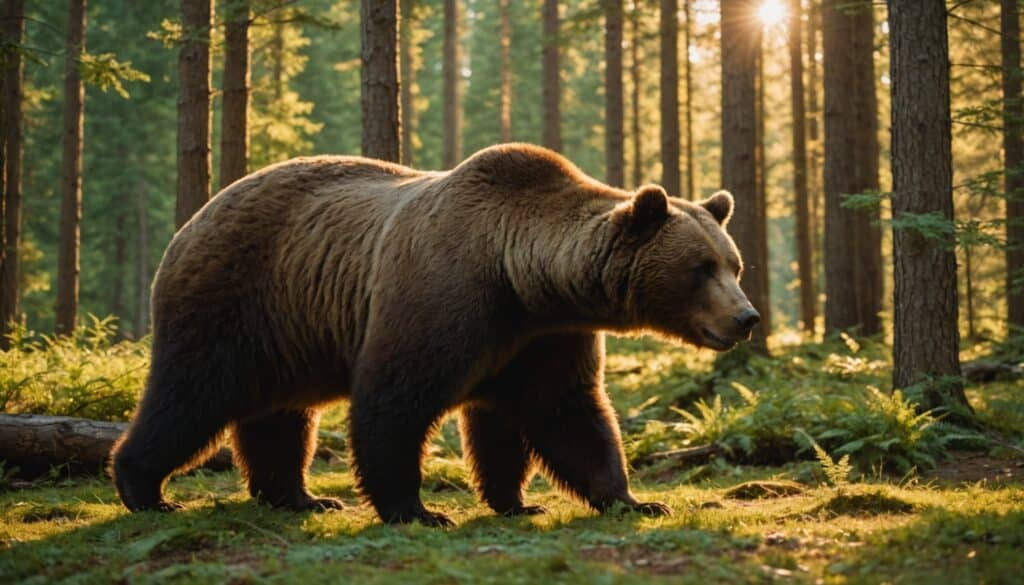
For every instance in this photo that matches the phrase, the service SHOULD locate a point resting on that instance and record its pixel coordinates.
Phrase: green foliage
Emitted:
(86, 375)
(106, 72)
(837, 472)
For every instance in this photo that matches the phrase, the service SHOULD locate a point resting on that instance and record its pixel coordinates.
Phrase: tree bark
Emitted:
(852, 237)
(805, 263)
(814, 178)
(691, 180)
(117, 307)
(381, 107)
(407, 75)
(762, 196)
(452, 111)
(615, 164)
(1013, 160)
(506, 71)
(234, 141)
(14, 30)
(925, 328)
(142, 281)
(71, 173)
(668, 31)
(194, 110)
(634, 75)
(551, 84)
(740, 46)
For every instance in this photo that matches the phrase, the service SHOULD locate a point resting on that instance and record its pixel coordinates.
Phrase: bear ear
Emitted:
(648, 209)
(720, 205)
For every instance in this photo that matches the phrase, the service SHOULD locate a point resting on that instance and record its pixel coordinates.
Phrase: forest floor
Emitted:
(961, 521)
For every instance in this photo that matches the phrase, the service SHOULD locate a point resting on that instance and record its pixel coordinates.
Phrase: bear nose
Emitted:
(747, 319)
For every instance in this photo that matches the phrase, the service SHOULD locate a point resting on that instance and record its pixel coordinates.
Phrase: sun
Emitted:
(772, 12)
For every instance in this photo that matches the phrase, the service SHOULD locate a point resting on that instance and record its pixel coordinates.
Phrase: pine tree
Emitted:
(669, 33)
(234, 136)
(925, 333)
(14, 31)
(194, 109)
(452, 95)
(615, 164)
(382, 118)
(71, 172)
(1013, 161)
(505, 99)
(805, 262)
(551, 84)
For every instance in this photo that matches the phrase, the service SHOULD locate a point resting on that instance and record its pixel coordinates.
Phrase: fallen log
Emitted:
(36, 444)
(981, 371)
(699, 454)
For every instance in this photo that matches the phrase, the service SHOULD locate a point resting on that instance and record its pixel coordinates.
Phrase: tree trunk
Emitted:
(506, 71)
(615, 164)
(234, 140)
(668, 31)
(762, 197)
(925, 328)
(142, 282)
(71, 173)
(691, 180)
(194, 110)
(382, 115)
(117, 307)
(852, 237)
(634, 74)
(805, 263)
(13, 29)
(740, 47)
(407, 75)
(551, 84)
(1013, 161)
(814, 178)
(452, 111)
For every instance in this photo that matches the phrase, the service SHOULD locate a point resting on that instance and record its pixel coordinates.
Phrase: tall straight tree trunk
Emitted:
(615, 164)
(234, 140)
(634, 75)
(1013, 161)
(925, 329)
(741, 43)
(669, 34)
(691, 181)
(814, 178)
(194, 109)
(551, 84)
(142, 281)
(381, 107)
(852, 237)
(762, 196)
(14, 30)
(120, 267)
(805, 263)
(407, 75)
(506, 71)
(71, 173)
(452, 112)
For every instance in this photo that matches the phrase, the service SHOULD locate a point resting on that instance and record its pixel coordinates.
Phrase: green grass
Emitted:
(735, 521)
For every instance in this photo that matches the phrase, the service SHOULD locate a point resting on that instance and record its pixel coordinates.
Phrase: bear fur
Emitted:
(484, 289)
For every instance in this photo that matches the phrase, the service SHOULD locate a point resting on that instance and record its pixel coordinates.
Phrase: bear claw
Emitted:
(525, 511)
(652, 509)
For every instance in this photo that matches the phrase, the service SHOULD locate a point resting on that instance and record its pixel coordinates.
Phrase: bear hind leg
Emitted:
(501, 464)
(273, 453)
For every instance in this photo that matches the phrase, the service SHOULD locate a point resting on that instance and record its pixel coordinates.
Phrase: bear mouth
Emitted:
(717, 342)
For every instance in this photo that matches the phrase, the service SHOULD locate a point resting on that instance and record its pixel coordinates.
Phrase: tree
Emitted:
(407, 75)
(505, 99)
(814, 178)
(551, 84)
(234, 136)
(741, 42)
(451, 65)
(615, 163)
(194, 109)
(1013, 160)
(805, 263)
(925, 331)
(668, 31)
(14, 30)
(634, 76)
(691, 187)
(852, 236)
(71, 172)
(382, 116)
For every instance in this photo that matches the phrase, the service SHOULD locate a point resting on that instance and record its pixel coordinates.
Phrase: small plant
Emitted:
(837, 472)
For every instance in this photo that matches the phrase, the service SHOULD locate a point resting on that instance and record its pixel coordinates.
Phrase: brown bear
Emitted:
(484, 289)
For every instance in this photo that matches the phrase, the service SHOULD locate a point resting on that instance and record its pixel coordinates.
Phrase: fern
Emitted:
(837, 472)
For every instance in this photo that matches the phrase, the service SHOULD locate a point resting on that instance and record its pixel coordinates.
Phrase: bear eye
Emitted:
(705, 272)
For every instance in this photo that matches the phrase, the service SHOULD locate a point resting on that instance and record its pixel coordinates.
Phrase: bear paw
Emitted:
(525, 511)
(313, 504)
(651, 509)
(423, 516)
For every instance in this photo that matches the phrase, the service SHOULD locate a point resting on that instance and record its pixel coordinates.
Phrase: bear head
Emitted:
(684, 278)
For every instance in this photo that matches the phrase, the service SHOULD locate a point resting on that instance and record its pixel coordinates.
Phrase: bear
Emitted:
(484, 290)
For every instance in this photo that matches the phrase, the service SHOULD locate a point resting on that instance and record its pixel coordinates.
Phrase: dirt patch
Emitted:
(758, 490)
(966, 467)
(864, 504)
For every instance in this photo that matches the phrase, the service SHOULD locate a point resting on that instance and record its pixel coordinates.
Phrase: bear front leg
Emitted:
(388, 428)
(273, 453)
(495, 451)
